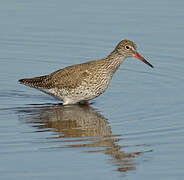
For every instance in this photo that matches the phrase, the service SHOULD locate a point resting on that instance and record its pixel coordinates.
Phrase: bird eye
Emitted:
(127, 47)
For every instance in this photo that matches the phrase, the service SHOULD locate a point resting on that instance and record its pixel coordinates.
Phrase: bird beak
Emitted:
(138, 56)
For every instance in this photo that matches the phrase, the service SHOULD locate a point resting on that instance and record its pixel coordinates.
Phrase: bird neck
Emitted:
(114, 60)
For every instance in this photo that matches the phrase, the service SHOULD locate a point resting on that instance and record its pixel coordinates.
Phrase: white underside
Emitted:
(71, 98)
(84, 92)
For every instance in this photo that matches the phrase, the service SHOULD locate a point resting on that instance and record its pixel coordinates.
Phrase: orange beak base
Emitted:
(138, 56)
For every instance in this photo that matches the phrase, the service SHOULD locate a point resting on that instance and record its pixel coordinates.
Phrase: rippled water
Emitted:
(135, 130)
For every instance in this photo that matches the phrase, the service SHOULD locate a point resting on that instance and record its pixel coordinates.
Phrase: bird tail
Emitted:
(34, 82)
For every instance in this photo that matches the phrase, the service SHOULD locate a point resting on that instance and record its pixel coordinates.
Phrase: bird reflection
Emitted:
(79, 126)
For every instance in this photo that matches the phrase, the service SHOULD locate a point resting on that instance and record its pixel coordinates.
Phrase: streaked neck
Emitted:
(114, 60)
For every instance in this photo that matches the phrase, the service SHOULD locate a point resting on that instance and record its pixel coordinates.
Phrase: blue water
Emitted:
(135, 130)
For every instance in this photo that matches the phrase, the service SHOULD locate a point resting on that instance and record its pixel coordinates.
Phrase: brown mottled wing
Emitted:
(69, 77)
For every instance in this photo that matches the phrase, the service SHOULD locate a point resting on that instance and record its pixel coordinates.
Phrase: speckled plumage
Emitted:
(86, 81)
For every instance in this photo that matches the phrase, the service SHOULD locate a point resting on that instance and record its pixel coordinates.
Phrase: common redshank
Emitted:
(83, 82)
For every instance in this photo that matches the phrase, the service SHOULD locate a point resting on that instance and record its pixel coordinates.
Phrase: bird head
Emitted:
(127, 48)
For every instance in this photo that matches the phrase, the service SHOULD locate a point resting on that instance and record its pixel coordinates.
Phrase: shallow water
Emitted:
(135, 130)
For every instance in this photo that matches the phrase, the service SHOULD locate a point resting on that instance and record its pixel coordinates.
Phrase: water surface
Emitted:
(133, 131)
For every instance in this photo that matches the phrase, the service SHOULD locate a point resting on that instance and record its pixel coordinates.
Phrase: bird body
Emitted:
(83, 82)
